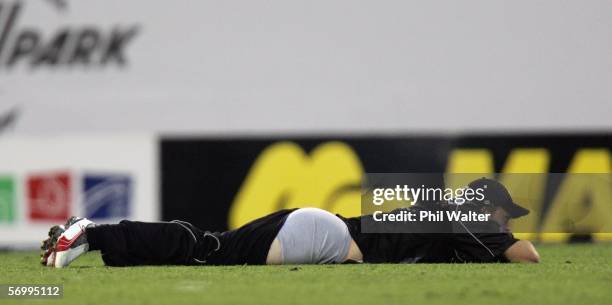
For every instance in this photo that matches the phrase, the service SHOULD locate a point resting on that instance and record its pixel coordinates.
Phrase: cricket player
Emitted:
(290, 236)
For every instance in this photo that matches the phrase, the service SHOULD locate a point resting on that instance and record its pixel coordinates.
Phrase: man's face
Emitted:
(502, 217)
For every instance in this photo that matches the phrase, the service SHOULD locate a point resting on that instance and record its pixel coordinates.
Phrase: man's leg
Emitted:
(129, 243)
(132, 243)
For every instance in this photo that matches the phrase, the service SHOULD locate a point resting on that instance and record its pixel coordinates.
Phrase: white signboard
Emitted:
(43, 181)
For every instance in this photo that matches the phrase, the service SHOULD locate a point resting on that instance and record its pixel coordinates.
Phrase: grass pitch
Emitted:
(577, 274)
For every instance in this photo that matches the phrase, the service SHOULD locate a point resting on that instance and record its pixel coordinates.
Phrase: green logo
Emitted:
(7, 199)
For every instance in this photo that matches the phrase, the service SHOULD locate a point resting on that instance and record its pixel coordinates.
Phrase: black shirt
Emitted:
(428, 247)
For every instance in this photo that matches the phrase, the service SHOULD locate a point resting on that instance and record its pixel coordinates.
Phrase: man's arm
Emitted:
(522, 251)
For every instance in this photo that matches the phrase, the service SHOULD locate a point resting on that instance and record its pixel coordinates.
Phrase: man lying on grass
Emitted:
(292, 236)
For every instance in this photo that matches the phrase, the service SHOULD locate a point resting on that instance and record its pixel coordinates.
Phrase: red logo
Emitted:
(49, 197)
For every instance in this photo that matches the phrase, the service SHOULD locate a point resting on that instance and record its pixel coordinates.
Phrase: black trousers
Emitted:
(132, 243)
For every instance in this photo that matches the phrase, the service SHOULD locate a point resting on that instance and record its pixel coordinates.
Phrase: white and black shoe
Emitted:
(67, 243)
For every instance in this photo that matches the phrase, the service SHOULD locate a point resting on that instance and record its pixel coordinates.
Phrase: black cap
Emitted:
(496, 194)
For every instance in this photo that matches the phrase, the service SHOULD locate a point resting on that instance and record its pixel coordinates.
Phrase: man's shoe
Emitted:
(72, 243)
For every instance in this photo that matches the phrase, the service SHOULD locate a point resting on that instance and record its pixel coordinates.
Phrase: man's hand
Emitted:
(522, 251)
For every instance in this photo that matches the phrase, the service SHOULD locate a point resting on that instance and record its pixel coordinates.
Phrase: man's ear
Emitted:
(487, 209)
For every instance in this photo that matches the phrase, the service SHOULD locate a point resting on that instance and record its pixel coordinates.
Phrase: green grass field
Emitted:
(579, 274)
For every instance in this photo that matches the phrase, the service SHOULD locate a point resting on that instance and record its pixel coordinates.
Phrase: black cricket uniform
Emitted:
(179, 243)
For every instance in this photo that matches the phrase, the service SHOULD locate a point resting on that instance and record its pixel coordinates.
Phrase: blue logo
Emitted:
(107, 196)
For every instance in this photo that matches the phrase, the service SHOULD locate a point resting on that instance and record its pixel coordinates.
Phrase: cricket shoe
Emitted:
(72, 243)
(48, 245)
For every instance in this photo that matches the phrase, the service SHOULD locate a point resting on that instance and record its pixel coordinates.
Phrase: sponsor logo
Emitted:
(68, 45)
(49, 196)
(106, 196)
(284, 176)
(7, 199)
